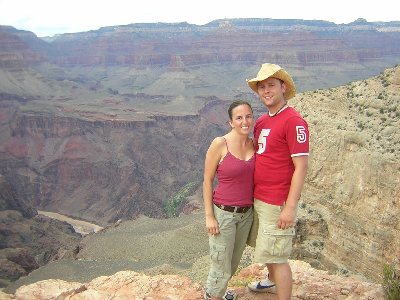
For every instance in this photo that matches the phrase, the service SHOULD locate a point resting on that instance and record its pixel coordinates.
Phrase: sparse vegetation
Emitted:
(172, 205)
(242, 282)
(342, 271)
(318, 244)
(391, 283)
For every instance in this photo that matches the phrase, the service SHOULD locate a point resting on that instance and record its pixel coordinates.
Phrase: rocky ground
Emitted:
(309, 284)
(147, 258)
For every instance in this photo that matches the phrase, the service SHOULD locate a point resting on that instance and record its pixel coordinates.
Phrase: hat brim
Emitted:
(280, 74)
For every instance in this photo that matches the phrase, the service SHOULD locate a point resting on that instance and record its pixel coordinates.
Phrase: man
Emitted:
(282, 151)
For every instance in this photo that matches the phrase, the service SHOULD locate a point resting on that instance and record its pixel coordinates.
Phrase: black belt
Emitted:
(233, 209)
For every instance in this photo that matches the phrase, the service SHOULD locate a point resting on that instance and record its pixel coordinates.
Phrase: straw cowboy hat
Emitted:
(271, 70)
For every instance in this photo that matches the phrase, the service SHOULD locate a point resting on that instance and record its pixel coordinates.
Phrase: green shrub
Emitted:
(391, 283)
(342, 271)
(173, 205)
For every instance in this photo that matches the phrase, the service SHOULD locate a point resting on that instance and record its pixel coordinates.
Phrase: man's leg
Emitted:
(273, 247)
(281, 275)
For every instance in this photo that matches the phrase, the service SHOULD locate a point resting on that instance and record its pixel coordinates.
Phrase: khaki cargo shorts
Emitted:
(273, 245)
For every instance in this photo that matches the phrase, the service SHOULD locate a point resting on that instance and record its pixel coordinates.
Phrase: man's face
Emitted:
(271, 91)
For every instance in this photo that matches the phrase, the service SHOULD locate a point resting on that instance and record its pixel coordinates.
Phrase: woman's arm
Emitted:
(212, 160)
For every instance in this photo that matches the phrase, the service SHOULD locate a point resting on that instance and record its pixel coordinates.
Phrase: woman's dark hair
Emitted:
(236, 104)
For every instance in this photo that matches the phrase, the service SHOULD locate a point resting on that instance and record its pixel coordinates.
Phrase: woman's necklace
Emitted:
(279, 110)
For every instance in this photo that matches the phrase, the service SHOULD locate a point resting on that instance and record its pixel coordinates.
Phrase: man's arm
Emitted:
(288, 214)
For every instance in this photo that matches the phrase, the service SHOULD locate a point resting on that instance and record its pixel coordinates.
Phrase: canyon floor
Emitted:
(80, 226)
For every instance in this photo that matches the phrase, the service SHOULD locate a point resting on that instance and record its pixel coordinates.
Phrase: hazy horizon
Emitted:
(47, 18)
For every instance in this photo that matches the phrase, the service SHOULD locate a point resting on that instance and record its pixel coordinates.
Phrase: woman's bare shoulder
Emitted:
(218, 143)
(219, 140)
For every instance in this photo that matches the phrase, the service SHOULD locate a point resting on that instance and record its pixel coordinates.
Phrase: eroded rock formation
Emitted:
(353, 179)
(308, 284)
(103, 170)
(88, 130)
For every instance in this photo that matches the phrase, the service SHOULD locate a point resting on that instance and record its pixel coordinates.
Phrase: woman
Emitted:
(228, 209)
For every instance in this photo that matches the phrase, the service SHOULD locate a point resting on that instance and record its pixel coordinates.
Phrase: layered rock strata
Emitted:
(308, 284)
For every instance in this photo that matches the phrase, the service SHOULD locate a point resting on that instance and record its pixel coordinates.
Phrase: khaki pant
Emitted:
(273, 245)
(226, 248)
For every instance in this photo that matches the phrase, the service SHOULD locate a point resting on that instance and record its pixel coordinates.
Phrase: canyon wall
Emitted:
(339, 53)
(110, 124)
(353, 181)
(103, 171)
(287, 42)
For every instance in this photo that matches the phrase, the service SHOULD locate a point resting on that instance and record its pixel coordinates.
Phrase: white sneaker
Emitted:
(262, 286)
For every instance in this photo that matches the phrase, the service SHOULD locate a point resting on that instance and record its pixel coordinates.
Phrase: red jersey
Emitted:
(279, 138)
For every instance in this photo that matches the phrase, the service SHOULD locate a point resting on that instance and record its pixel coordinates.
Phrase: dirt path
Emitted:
(81, 227)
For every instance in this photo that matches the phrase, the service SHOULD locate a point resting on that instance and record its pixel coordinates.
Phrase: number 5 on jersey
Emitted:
(262, 140)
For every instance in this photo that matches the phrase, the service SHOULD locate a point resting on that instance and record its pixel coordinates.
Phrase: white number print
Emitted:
(262, 140)
(301, 134)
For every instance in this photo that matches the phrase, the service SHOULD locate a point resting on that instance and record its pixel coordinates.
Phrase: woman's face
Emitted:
(242, 119)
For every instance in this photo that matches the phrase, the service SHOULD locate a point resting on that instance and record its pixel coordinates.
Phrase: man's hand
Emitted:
(286, 218)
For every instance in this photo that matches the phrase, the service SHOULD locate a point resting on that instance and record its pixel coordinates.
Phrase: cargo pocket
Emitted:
(217, 254)
(278, 242)
(215, 277)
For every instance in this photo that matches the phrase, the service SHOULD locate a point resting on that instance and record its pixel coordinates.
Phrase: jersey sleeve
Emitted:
(256, 133)
(297, 135)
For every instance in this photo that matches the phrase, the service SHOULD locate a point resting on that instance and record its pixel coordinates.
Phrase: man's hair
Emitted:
(275, 78)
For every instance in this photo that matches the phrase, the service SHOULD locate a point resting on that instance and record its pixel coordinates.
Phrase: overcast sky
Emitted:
(49, 17)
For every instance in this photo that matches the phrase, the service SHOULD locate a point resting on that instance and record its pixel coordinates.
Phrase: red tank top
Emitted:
(235, 181)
